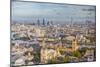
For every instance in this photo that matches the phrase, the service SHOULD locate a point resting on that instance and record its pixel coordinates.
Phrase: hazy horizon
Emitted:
(32, 11)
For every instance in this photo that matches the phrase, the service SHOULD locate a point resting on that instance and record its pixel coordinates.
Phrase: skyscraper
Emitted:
(38, 22)
(48, 23)
(51, 22)
(43, 22)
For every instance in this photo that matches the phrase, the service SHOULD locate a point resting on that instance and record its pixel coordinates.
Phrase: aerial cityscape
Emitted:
(49, 33)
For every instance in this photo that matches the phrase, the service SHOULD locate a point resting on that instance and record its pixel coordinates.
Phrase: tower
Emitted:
(48, 23)
(44, 52)
(43, 43)
(38, 22)
(51, 23)
(74, 45)
(43, 22)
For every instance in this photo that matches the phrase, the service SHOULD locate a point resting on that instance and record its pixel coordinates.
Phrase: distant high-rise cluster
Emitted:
(44, 22)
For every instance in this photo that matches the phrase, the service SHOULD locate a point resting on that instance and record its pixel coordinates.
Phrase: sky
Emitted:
(32, 11)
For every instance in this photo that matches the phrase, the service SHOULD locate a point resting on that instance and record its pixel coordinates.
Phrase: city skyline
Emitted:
(27, 11)
(49, 33)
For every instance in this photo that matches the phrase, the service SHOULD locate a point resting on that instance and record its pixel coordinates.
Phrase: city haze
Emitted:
(58, 13)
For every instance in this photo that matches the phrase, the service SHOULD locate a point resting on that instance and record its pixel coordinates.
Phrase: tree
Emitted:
(65, 59)
(52, 61)
(37, 57)
(76, 54)
(82, 50)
